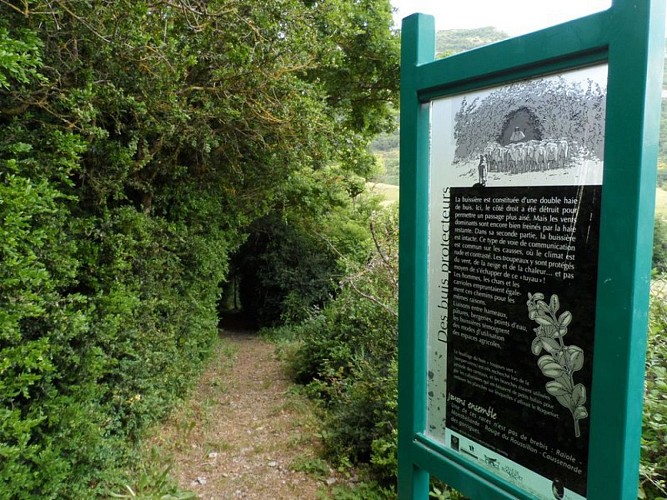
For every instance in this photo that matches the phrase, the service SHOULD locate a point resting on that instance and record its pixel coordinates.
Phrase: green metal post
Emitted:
(418, 47)
(636, 53)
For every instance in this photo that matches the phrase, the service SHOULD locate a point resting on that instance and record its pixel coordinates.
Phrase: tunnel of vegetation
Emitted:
(143, 141)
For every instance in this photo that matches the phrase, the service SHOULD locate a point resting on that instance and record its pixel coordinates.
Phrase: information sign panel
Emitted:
(516, 175)
(527, 196)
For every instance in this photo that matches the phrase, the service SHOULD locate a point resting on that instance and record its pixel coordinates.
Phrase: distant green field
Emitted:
(390, 192)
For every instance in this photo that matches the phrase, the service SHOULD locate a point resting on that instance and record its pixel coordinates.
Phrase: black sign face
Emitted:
(513, 271)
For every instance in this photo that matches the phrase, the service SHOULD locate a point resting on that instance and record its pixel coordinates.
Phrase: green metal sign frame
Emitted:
(629, 37)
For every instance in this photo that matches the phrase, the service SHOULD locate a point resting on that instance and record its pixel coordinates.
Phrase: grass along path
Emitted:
(244, 433)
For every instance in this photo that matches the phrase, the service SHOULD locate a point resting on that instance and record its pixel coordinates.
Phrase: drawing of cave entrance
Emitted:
(545, 126)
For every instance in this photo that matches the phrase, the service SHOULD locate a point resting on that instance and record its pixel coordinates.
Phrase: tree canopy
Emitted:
(141, 139)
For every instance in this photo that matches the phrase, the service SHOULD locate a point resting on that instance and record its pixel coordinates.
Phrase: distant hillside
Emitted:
(448, 42)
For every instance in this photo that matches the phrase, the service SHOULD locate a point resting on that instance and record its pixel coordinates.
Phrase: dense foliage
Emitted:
(294, 257)
(346, 357)
(660, 245)
(653, 469)
(346, 354)
(140, 140)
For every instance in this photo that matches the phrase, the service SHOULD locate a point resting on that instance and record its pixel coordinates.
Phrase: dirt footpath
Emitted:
(244, 434)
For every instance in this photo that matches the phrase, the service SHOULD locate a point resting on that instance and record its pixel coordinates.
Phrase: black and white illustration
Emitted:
(543, 131)
(558, 361)
(516, 173)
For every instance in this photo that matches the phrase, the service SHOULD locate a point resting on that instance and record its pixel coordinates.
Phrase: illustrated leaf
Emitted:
(560, 357)
(561, 360)
(550, 331)
(547, 358)
(566, 381)
(565, 400)
(543, 306)
(536, 346)
(575, 358)
(550, 345)
(579, 395)
(565, 319)
(555, 388)
(543, 320)
(551, 369)
(580, 413)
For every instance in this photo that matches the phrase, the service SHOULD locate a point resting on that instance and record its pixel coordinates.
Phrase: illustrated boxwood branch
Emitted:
(560, 361)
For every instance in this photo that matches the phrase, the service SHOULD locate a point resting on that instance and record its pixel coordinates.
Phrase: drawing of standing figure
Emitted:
(483, 169)
(517, 135)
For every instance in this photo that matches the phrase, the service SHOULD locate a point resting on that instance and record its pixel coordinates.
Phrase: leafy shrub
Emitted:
(653, 469)
(662, 174)
(138, 141)
(105, 312)
(50, 424)
(660, 245)
(293, 258)
(347, 357)
(284, 271)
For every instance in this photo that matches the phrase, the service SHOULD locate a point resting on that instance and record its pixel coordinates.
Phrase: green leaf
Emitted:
(555, 388)
(550, 345)
(544, 321)
(544, 360)
(543, 306)
(579, 395)
(536, 346)
(565, 400)
(549, 367)
(550, 331)
(575, 357)
(554, 303)
(580, 413)
(565, 319)
(566, 381)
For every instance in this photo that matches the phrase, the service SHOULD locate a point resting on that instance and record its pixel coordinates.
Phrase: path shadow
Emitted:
(235, 322)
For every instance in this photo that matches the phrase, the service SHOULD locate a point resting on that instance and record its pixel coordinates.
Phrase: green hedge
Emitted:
(654, 434)
(103, 321)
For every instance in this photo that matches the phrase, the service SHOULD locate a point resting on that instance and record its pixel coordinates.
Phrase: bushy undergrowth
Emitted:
(140, 141)
(346, 355)
(660, 245)
(654, 434)
(106, 310)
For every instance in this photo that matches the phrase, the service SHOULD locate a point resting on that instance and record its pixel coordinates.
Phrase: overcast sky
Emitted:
(515, 17)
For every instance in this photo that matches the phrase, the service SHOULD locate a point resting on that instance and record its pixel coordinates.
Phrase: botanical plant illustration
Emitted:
(561, 361)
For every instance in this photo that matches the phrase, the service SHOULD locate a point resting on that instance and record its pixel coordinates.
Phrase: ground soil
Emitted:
(245, 433)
